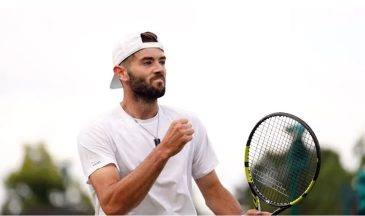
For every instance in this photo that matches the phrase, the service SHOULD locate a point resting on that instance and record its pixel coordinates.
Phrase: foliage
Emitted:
(42, 187)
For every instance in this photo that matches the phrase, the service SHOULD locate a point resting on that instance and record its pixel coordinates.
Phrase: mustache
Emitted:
(160, 76)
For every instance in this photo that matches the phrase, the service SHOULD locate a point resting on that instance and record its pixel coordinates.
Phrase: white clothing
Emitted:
(118, 139)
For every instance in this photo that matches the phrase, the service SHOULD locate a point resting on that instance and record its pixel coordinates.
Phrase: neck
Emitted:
(140, 109)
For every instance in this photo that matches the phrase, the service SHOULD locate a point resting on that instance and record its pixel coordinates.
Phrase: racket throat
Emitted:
(256, 202)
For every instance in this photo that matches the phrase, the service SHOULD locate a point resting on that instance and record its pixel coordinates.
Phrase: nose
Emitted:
(159, 68)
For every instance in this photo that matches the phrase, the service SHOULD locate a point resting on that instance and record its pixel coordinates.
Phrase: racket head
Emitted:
(282, 159)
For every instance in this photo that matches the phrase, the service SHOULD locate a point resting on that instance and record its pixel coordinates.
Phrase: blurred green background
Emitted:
(43, 187)
(336, 192)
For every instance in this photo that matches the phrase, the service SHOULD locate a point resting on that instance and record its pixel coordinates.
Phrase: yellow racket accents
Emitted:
(304, 194)
(247, 169)
(309, 187)
(248, 175)
(247, 150)
(297, 200)
(256, 202)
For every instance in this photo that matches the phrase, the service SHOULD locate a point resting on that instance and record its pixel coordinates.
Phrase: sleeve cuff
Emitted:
(97, 166)
(207, 170)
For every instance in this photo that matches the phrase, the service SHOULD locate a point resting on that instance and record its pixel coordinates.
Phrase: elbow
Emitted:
(114, 209)
(117, 205)
(120, 207)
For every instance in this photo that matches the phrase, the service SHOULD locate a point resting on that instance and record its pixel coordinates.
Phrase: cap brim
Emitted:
(115, 83)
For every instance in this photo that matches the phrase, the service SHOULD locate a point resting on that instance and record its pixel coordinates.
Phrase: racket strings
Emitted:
(265, 178)
(294, 155)
(294, 158)
(268, 133)
(282, 159)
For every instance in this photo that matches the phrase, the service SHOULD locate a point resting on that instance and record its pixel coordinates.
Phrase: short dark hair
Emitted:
(148, 37)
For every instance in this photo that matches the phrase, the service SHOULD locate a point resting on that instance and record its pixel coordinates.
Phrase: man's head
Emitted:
(143, 71)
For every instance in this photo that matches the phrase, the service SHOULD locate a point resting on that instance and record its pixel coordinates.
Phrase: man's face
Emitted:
(146, 71)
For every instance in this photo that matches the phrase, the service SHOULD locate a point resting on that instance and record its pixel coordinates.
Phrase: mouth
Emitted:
(159, 78)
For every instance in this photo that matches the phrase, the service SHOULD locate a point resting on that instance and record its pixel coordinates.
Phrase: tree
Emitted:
(42, 187)
(359, 151)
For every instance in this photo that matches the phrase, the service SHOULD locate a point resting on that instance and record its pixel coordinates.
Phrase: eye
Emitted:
(148, 62)
(162, 62)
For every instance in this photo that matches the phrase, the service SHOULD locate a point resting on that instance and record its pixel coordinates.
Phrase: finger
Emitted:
(187, 126)
(183, 121)
(257, 212)
(187, 138)
(252, 212)
(182, 127)
(189, 132)
(173, 123)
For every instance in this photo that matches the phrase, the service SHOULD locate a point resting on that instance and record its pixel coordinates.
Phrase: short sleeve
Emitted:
(205, 159)
(95, 150)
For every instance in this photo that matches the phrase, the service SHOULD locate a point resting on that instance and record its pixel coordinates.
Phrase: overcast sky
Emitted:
(229, 62)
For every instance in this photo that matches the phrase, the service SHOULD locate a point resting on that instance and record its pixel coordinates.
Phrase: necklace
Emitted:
(156, 139)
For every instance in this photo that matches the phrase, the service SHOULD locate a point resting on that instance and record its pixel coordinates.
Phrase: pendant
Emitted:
(157, 141)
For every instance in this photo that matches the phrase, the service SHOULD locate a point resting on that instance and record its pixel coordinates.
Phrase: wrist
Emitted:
(162, 152)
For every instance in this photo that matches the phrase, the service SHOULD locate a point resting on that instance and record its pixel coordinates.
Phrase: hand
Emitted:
(180, 132)
(256, 212)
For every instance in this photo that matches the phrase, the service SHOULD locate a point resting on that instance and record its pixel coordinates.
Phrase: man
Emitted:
(140, 158)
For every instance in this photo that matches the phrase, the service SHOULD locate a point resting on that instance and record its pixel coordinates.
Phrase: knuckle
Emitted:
(187, 138)
(189, 132)
(181, 128)
(176, 126)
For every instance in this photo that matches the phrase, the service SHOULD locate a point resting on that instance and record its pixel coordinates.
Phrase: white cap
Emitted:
(126, 47)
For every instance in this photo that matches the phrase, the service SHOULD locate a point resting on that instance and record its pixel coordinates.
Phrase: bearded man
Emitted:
(141, 157)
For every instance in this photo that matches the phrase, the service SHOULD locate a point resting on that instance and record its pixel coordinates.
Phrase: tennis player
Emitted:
(141, 157)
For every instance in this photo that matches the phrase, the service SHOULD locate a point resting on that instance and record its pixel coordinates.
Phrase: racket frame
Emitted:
(254, 191)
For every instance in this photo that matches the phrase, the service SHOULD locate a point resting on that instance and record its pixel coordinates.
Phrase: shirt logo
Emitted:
(94, 163)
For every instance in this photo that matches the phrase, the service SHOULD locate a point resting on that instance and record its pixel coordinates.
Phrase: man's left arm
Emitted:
(217, 198)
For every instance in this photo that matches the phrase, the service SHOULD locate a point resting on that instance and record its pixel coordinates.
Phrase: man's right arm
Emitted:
(119, 196)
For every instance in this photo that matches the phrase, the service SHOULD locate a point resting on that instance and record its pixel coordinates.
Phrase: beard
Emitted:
(142, 90)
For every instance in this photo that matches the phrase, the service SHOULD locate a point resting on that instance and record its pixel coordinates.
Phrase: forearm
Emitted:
(128, 192)
(119, 196)
(221, 202)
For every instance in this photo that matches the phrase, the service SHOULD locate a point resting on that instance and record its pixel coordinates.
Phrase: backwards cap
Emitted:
(129, 45)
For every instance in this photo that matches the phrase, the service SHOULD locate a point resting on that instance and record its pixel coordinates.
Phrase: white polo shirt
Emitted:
(116, 138)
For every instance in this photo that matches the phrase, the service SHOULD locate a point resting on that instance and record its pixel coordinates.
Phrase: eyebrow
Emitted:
(151, 58)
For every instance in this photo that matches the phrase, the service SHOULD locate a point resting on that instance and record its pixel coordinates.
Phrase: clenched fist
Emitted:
(179, 133)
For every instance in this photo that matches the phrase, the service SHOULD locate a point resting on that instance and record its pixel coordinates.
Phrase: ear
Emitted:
(121, 72)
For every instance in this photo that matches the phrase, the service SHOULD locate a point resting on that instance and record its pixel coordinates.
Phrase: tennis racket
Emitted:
(282, 161)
